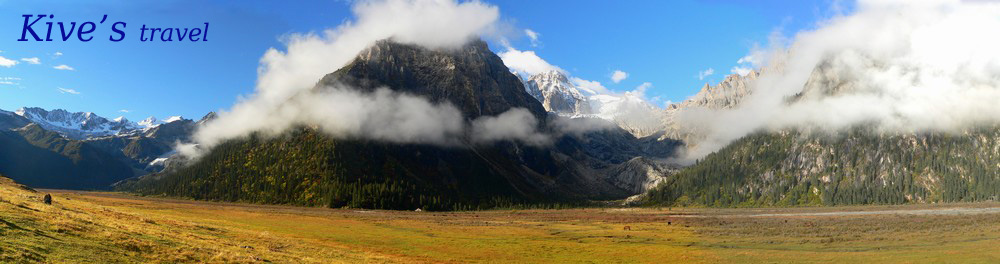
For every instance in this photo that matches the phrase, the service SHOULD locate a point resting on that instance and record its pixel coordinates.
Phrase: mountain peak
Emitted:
(149, 122)
(471, 77)
(173, 119)
(554, 91)
(726, 94)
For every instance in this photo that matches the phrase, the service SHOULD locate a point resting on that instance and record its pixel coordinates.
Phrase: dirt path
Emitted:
(936, 211)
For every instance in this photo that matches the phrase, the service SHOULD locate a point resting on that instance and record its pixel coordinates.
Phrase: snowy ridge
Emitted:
(629, 111)
(84, 125)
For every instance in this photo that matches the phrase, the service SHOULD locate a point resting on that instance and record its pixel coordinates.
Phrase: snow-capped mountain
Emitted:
(627, 110)
(554, 90)
(151, 122)
(85, 125)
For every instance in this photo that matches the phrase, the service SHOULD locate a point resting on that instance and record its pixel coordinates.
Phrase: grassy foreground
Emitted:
(107, 227)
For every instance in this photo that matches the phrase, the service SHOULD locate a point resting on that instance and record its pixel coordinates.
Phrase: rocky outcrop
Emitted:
(725, 95)
(557, 94)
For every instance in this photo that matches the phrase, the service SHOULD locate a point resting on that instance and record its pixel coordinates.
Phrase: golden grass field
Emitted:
(109, 227)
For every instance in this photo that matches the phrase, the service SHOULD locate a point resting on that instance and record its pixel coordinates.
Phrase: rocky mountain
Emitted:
(861, 165)
(725, 95)
(557, 94)
(857, 167)
(307, 167)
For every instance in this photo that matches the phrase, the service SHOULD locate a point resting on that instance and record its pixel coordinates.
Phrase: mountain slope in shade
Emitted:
(141, 149)
(309, 168)
(9, 120)
(52, 159)
(45, 159)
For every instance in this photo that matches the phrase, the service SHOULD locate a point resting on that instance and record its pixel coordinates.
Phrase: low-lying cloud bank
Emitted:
(901, 66)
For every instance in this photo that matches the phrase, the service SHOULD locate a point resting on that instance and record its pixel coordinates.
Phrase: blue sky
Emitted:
(666, 43)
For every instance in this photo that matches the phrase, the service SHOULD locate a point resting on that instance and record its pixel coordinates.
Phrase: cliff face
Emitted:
(472, 77)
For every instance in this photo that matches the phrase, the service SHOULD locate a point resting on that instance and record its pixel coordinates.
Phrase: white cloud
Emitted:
(897, 67)
(591, 87)
(516, 124)
(642, 88)
(617, 76)
(705, 73)
(57, 54)
(10, 80)
(124, 111)
(5, 62)
(64, 67)
(742, 71)
(68, 91)
(751, 59)
(284, 74)
(533, 36)
(746, 64)
(526, 62)
(32, 60)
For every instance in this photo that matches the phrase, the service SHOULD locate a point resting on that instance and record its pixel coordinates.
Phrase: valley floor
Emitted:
(109, 227)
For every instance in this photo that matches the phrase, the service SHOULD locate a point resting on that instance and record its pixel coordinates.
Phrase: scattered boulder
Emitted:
(418, 210)
(47, 199)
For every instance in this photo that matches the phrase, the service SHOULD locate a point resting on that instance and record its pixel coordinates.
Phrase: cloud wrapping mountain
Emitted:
(899, 66)
(284, 96)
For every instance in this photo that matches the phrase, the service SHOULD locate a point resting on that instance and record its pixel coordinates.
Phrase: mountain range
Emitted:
(631, 157)
(61, 149)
